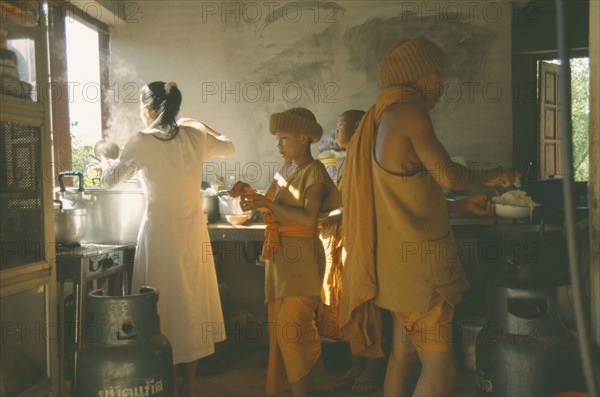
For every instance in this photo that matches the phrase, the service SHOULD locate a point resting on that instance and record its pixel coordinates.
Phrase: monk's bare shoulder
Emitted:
(400, 124)
(406, 119)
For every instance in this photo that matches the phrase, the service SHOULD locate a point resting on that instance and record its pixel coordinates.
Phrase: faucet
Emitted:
(528, 171)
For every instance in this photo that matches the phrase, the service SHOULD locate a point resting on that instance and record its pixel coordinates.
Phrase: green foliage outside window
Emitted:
(81, 154)
(580, 94)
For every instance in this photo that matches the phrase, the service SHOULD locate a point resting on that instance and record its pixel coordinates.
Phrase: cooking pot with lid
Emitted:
(113, 216)
(69, 224)
(73, 197)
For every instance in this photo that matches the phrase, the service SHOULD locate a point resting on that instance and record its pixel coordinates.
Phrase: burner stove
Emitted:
(82, 269)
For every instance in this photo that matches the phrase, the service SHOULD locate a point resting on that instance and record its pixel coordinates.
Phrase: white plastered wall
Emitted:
(237, 62)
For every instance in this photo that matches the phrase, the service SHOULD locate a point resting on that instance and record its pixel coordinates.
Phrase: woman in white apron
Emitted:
(173, 247)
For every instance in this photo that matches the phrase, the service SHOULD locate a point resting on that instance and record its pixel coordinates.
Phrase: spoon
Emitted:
(496, 190)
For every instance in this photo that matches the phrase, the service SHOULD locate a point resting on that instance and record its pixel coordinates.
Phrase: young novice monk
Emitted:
(363, 376)
(346, 125)
(294, 253)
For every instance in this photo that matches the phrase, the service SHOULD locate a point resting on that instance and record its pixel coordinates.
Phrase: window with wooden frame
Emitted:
(549, 118)
(79, 59)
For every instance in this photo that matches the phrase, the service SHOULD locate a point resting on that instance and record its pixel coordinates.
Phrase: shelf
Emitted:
(22, 42)
(28, 266)
(24, 14)
(21, 110)
(20, 195)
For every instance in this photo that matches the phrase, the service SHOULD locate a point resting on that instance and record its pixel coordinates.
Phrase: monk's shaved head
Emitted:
(346, 125)
(353, 115)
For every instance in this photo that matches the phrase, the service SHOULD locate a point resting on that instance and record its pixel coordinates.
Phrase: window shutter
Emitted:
(550, 161)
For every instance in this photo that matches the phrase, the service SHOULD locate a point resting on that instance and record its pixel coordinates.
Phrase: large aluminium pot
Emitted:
(114, 216)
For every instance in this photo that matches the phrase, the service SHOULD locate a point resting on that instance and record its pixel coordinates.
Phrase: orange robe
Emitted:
(294, 343)
(360, 273)
(293, 279)
(329, 308)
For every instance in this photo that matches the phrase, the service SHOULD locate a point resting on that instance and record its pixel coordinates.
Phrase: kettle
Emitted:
(73, 198)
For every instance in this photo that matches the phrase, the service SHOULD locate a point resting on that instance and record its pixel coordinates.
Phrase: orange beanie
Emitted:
(296, 120)
(410, 59)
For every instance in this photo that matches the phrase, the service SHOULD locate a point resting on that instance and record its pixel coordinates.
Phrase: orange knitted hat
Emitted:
(410, 59)
(296, 120)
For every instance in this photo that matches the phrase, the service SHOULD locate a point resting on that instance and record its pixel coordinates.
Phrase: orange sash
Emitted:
(274, 230)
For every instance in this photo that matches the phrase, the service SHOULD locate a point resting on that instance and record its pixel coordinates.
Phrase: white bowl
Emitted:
(512, 211)
(237, 219)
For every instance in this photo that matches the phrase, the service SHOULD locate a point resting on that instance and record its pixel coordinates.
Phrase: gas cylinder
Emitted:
(522, 311)
(523, 350)
(123, 352)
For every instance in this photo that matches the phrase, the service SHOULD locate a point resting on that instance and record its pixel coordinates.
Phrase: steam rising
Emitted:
(123, 101)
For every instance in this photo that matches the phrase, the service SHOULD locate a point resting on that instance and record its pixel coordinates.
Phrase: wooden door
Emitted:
(550, 160)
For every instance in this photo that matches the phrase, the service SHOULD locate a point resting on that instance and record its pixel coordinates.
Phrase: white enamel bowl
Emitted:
(512, 211)
(237, 219)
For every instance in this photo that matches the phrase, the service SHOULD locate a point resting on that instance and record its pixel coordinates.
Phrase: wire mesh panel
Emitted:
(21, 207)
(20, 158)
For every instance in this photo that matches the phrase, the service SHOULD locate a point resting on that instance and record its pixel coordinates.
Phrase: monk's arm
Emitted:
(476, 204)
(306, 216)
(455, 206)
(436, 160)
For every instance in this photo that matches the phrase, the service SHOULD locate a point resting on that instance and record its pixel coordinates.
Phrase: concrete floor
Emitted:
(244, 372)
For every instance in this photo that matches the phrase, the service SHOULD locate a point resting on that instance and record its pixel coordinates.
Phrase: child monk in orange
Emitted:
(364, 375)
(293, 251)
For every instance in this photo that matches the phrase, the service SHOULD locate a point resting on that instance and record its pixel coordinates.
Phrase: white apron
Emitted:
(173, 249)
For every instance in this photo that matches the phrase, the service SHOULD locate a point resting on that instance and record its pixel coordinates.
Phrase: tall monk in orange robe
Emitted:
(401, 253)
